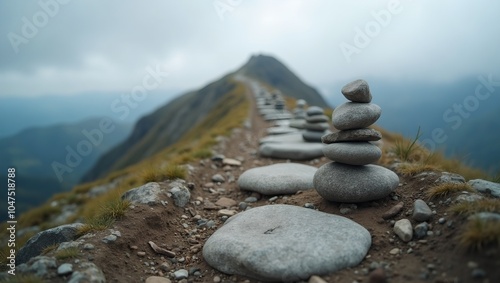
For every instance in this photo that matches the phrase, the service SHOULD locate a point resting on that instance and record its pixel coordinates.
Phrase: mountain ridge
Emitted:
(166, 125)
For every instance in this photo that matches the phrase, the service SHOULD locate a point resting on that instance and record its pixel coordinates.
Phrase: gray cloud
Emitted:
(106, 45)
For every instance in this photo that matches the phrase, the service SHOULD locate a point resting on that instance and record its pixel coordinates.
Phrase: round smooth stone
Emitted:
(317, 119)
(317, 126)
(352, 135)
(313, 136)
(276, 179)
(292, 151)
(357, 91)
(340, 182)
(285, 243)
(353, 153)
(353, 115)
(314, 110)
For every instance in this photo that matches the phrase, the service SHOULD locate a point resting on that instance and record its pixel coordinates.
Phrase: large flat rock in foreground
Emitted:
(286, 243)
(292, 151)
(277, 179)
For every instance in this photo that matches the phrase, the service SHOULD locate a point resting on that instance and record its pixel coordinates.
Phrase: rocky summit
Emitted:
(286, 243)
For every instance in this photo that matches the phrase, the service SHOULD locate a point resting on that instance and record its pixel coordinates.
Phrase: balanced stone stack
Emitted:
(299, 115)
(350, 177)
(316, 124)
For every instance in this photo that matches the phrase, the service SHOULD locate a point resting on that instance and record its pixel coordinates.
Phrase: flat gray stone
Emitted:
(353, 115)
(297, 123)
(365, 134)
(313, 136)
(453, 178)
(421, 211)
(317, 126)
(285, 138)
(357, 91)
(314, 110)
(276, 179)
(277, 116)
(485, 187)
(281, 130)
(57, 235)
(149, 194)
(286, 243)
(292, 151)
(317, 119)
(351, 184)
(353, 153)
(89, 272)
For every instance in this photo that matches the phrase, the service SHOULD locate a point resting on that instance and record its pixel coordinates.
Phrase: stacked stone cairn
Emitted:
(350, 177)
(299, 115)
(316, 124)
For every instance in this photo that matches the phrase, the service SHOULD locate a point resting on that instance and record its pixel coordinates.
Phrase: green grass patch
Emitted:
(406, 149)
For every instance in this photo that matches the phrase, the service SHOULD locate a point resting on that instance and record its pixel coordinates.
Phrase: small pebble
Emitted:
(394, 251)
(442, 220)
(141, 254)
(217, 279)
(478, 273)
(275, 198)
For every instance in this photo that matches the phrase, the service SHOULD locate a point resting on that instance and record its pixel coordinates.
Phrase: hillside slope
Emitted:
(168, 124)
(33, 151)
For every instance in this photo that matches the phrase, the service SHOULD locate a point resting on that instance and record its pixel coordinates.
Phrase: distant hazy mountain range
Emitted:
(451, 115)
(19, 113)
(53, 158)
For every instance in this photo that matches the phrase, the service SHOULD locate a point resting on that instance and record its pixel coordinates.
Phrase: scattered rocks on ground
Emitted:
(149, 194)
(403, 230)
(453, 178)
(485, 187)
(393, 211)
(180, 193)
(65, 269)
(41, 240)
(421, 211)
(282, 242)
(157, 279)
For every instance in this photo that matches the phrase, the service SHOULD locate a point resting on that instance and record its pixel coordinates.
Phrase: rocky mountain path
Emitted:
(178, 234)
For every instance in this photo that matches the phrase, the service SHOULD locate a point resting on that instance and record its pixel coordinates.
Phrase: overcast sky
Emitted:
(68, 48)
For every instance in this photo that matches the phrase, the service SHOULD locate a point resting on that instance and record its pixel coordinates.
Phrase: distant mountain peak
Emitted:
(271, 71)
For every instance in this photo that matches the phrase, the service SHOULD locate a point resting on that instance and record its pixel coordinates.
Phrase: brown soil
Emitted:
(166, 227)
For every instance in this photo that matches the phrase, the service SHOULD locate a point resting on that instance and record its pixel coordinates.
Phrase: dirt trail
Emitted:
(435, 259)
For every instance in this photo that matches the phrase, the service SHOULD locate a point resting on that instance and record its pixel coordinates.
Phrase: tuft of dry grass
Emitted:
(48, 249)
(203, 153)
(39, 215)
(72, 252)
(469, 208)
(412, 169)
(156, 174)
(446, 189)
(101, 213)
(478, 234)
